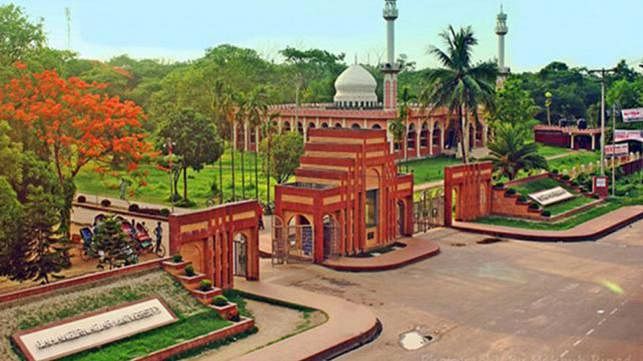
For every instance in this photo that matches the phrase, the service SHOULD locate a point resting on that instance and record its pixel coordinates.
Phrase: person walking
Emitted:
(158, 232)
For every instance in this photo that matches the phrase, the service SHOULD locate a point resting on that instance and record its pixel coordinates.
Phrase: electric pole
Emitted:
(603, 73)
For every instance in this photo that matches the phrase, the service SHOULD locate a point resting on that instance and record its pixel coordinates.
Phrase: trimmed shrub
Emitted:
(534, 206)
(165, 212)
(522, 199)
(566, 177)
(81, 199)
(554, 171)
(499, 185)
(220, 301)
(177, 258)
(134, 207)
(235, 318)
(189, 271)
(205, 285)
(105, 203)
(546, 213)
(510, 192)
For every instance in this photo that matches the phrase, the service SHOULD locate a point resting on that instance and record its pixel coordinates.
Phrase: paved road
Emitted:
(511, 300)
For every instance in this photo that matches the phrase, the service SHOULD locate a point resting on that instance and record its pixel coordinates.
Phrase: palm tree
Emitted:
(256, 110)
(460, 86)
(511, 151)
(269, 128)
(240, 119)
(222, 107)
(398, 130)
(404, 117)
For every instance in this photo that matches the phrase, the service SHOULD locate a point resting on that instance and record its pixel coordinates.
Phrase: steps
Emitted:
(192, 284)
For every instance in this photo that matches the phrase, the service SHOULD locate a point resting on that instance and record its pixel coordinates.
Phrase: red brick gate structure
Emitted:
(221, 242)
(471, 184)
(347, 197)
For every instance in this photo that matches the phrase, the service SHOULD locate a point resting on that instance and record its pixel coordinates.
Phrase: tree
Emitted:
(460, 86)
(404, 111)
(42, 251)
(196, 142)
(627, 94)
(18, 35)
(284, 156)
(269, 129)
(241, 116)
(257, 110)
(223, 109)
(513, 104)
(114, 248)
(71, 123)
(512, 151)
(11, 214)
(398, 129)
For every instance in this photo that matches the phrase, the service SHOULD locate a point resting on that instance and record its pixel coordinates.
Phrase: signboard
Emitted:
(632, 115)
(551, 196)
(600, 186)
(621, 135)
(72, 336)
(617, 150)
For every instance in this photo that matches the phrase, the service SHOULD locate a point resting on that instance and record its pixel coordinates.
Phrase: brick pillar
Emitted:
(430, 139)
(418, 135)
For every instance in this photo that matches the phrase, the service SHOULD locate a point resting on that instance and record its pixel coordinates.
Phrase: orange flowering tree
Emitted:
(71, 123)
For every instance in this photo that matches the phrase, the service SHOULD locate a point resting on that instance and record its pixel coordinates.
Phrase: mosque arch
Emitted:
(356, 126)
(376, 126)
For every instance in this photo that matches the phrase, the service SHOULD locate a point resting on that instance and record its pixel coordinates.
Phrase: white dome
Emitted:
(355, 87)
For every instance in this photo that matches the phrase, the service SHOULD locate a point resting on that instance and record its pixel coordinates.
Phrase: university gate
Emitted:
(467, 192)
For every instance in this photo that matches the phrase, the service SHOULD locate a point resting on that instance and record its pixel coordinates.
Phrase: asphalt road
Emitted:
(511, 300)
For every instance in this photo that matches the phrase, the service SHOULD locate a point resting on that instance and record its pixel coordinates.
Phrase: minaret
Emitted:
(390, 68)
(501, 31)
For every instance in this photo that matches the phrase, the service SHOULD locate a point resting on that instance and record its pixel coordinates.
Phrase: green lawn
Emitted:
(536, 186)
(200, 183)
(550, 151)
(430, 169)
(574, 159)
(568, 205)
(564, 224)
(548, 183)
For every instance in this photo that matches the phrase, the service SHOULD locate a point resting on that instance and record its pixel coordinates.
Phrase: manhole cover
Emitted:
(413, 340)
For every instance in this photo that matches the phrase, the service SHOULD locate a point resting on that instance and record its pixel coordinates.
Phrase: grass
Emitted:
(573, 160)
(157, 189)
(550, 151)
(548, 183)
(142, 344)
(429, 170)
(536, 186)
(564, 224)
(194, 318)
(562, 207)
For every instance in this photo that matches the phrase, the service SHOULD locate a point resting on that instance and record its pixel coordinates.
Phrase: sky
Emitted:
(591, 33)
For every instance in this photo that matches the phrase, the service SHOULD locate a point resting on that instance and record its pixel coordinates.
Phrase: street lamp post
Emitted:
(603, 73)
(548, 97)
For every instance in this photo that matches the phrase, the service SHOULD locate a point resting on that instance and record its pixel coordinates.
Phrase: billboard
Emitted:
(621, 135)
(632, 115)
(617, 150)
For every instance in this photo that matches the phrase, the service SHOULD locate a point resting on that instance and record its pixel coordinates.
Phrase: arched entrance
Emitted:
(331, 236)
(355, 126)
(401, 218)
(300, 238)
(410, 137)
(240, 255)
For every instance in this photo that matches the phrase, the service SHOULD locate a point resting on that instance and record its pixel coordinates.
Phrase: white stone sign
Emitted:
(551, 196)
(69, 337)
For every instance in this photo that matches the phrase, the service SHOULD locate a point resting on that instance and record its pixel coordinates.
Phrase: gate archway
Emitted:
(300, 238)
(240, 255)
(471, 184)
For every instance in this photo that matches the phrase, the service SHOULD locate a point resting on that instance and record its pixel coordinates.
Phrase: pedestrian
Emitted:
(158, 232)
(260, 216)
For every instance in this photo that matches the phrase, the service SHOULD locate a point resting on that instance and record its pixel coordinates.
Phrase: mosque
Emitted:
(356, 106)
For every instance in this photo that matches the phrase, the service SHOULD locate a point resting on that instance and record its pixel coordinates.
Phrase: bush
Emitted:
(189, 271)
(185, 203)
(596, 196)
(105, 203)
(510, 192)
(177, 258)
(220, 301)
(546, 213)
(522, 199)
(575, 183)
(235, 318)
(534, 206)
(499, 185)
(134, 207)
(165, 212)
(81, 199)
(566, 177)
(205, 285)
(554, 171)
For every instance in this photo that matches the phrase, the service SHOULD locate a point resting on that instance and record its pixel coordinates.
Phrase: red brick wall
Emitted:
(509, 206)
(471, 183)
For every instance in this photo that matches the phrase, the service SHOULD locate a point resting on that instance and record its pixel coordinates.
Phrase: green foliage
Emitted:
(205, 285)
(18, 35)
(220, 301)
(511, 152)
(195, 141)
(10, 218)
(113, 247)
(189, 270)
(286, 149)
(627, 94)
(513, 104)
(177, 258)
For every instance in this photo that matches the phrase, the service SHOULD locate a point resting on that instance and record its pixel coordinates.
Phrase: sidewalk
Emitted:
(349, 325)
(416, 250)
(587, 231)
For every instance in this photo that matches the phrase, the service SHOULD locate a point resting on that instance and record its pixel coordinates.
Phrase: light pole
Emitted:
(603, 73)
(548, 96)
